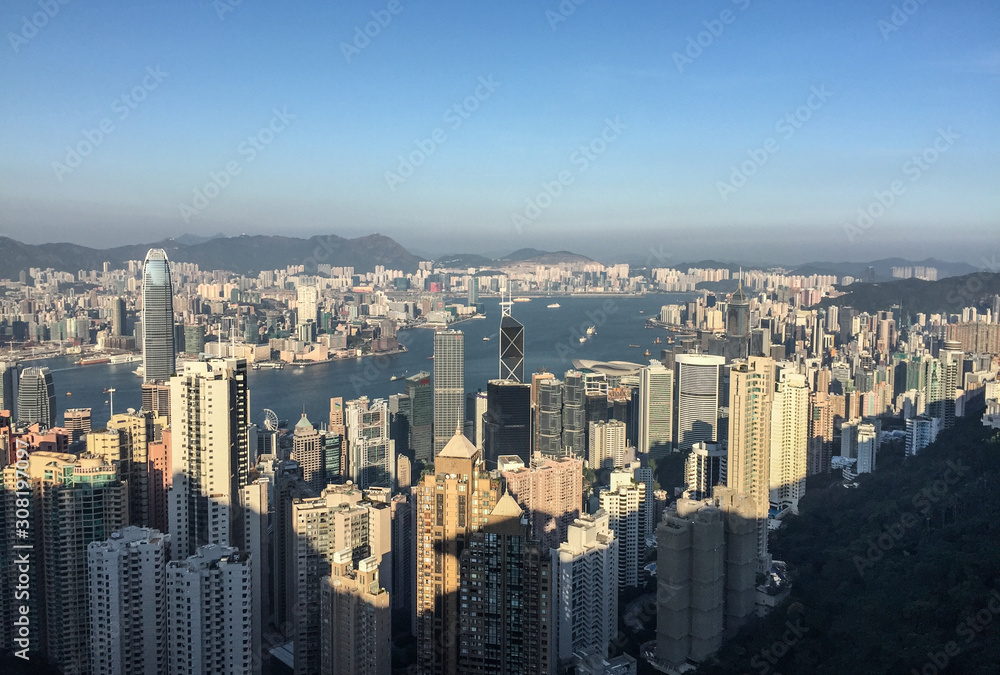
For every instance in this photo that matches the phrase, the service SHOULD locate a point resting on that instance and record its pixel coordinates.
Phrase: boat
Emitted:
(554, 305)
(125, 358)
(592, 331)
(522, 299)
(92, 362)
(582, 340)
(69, 393)
(647, 352)
(636, 346)
(396, 377)
(486, 339)
(657, 341)
(642, 311)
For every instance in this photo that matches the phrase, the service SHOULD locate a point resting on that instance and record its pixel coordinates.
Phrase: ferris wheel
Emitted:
(270, 420)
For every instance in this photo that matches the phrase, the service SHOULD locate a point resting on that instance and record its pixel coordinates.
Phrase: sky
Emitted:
(729, 129)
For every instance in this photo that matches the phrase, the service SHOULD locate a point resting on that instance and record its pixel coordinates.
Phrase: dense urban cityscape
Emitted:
(536, 522)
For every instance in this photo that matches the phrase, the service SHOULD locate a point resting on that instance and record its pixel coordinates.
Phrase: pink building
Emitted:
(551, 492)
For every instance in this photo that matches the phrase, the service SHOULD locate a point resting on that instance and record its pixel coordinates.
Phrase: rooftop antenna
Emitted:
(505, 305)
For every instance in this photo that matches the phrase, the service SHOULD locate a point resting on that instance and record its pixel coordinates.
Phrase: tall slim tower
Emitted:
(789, 440)
(511, 345)
(372, 461)
(656, 403)
(421, 418)
(751, 394)
(158, 353)
(8, 386)
(209, 454)
(449, 386)
(36, 397)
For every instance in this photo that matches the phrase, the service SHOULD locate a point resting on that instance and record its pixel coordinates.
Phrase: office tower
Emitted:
(656, 403)
(8, 386)
(404, 560)
(78, 500)
(506, 581)
(573, 414)
(548, 423)
(738, 313)
(194, 339)
(867, 446)
(449, 386)
(705, 575)
(36, 398)
(209, 454)
(156, 399)
(625, 503)
(320, 527)
(550, 492)
(421, 417)
(789, 440)
(372, 453)
(157, 318)
(452, 504)
(507, 423)
(473, 297)
(698, 377)
(606, 447)
(475, 417)
(128, 602)
(135, 431)
(77, 422)
(751, 390)
(307, 302)
(704, 468)
(585, 587)
(118, 317)
(307, 450)
(210, 613)
(356, 631)
(511, 346)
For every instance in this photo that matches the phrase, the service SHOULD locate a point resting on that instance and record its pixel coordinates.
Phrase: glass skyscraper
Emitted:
(157, 318)
(36, 397)
(449, 386)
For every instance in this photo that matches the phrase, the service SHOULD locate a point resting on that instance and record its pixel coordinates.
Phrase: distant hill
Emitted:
(530, 256)
(883, 268)
(913, 295)
(243, 254)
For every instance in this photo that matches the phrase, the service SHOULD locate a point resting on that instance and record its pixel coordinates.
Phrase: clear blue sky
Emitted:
(656, 185)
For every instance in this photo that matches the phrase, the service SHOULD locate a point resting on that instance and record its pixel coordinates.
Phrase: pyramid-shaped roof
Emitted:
(459, 447)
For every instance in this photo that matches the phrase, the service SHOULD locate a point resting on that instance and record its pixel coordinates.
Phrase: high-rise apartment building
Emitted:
(77, 422)
(209, 454)
(449, 386)
(625, 503)
(128, 602)
(585, 588)
(158, 354)
(451, 505)
(606, 445)
(656, 406)
(210, 613)
(698, 378)
(136, 430)
(355, 634)
(550, 492)
(307, 450)
(789, 439)
(505, 623)
(705, 575)
(751, 394)
(704, 468)
(820, 433)
(36, 397)
(307, 300)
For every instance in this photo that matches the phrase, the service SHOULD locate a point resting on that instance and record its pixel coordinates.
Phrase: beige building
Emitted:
(355, 632)
(789, 440)
(551, 492)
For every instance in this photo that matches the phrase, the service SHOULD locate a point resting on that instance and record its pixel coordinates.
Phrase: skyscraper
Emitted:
(607, 445)
(625, 503)
(704, 468)
(697, 399)
(585, 587)
(158, 354)
(118, 317)
(452, 505)
(511, 346)
(418, 388)
(136, 431)
(507, 423)
(36, 397)
(751, 392)
(210, 593)
(656, 403)
(8, 386)
(449, 386)
(789, 440)
(574, 414)
(128, 602)
(209, 454)
(307, 297)
(550, 492)
(372, 452)
(355, 627)
(548, 424)
(307, 450)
